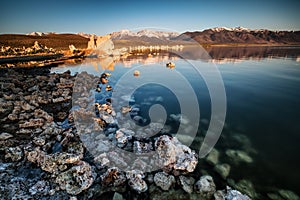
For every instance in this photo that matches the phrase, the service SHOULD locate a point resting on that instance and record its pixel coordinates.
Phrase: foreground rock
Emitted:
(174, 156)
(76, 179)
(230, 194)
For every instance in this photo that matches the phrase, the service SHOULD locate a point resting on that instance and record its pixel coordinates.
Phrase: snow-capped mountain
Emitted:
(240, 35)
(127, 34)
(40, 33)
(237, 29)
(86, 35)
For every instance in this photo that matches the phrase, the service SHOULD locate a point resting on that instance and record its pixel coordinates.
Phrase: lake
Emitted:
(262, 88)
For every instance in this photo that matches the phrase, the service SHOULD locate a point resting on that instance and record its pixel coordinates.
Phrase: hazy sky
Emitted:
(104, 17)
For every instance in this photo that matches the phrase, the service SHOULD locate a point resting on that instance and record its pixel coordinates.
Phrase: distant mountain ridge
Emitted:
(240, 35)
(125, 38)
(127, 34)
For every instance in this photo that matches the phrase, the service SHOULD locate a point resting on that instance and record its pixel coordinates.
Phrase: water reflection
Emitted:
(218, 55)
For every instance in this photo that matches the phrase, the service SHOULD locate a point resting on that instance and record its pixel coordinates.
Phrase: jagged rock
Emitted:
(39, 113)
(174, 155)
(13, 153)
(205, 186)
(76, 179)
(37, 46)
(91, 43)
(106, 117)
(72, 48)
(39, 141)
(140, 147)
(32, 123)
(238, 156)
(123, 136)
(136, 181)
(104, 44)
(113, 177)
(223, 170)
(61, 99)
(5, 136)
(40, 188)
(164, 180)
(26, 106)
(12, 117)
(187, 183)
(213, 157)
(65, 84)
(52, 163)
(235, 195)
(230, 194)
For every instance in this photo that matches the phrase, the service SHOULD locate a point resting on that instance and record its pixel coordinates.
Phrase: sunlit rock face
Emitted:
(101, 45)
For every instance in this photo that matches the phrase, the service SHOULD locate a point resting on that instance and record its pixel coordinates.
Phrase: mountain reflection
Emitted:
(211, 54)
(214, 54)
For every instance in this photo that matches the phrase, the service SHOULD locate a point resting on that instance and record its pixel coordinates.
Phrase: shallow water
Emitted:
(262, 104)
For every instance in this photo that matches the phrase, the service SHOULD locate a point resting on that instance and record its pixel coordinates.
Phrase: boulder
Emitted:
(76, 179)
(174, 155)
(205, 186)
(164, 180)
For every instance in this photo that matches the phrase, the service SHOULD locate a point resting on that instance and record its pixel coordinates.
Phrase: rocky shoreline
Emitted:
(49, 123)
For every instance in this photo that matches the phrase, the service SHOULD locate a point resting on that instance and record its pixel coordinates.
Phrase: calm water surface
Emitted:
(262, 104)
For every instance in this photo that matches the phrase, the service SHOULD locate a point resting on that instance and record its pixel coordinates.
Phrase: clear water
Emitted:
(263, 104)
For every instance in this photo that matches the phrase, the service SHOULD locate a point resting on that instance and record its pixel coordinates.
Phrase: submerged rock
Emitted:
(76, 179)
(287, 194)
(117, 196)
(238, 156)
(125, 109)
(164, 180)
(223, 170)
(213, 157)
(187, 183)
(247, 187)
(205, 186)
